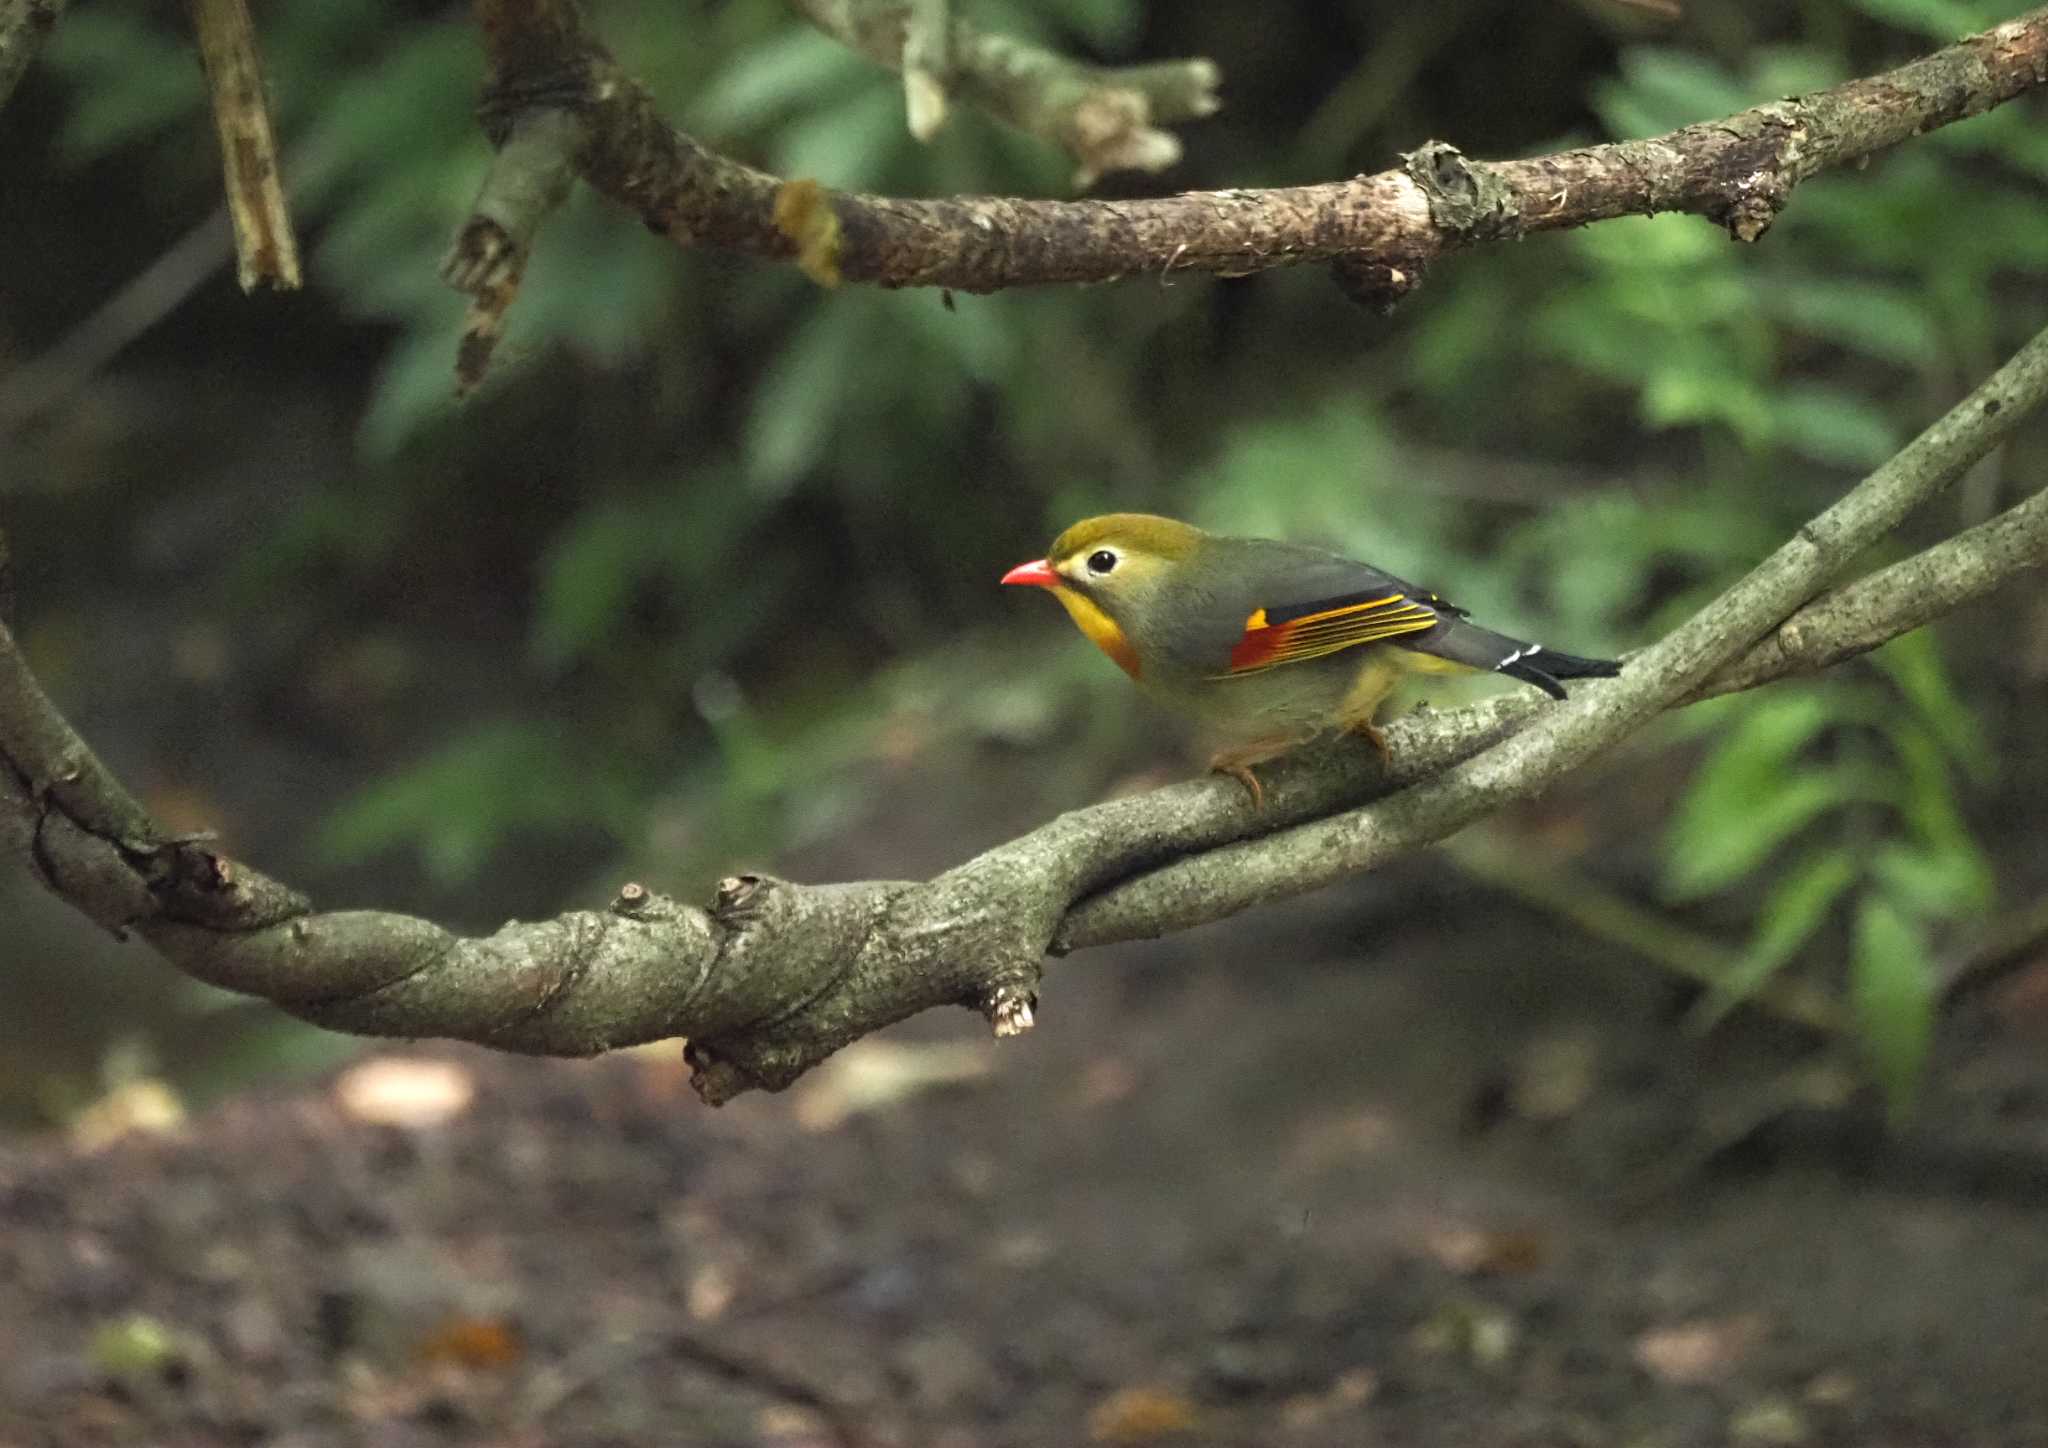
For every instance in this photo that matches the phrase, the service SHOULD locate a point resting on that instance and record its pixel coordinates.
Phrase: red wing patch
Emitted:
(1296, 634)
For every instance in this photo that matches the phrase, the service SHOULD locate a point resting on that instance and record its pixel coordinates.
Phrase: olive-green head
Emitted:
(1108, 573)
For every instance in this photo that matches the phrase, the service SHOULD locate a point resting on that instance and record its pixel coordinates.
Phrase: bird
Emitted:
(1263, 643)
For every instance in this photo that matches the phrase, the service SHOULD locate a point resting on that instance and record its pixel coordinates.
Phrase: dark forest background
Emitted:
(706, 574)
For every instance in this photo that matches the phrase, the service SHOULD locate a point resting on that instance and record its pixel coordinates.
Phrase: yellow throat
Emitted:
(1100, 628)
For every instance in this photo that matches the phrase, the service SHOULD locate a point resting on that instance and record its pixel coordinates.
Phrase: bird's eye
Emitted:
(1101, 561)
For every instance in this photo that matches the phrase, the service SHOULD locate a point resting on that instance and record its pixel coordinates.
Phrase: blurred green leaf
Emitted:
(1714, 846)
(851, 145)
(1112, 26)
(1893, 988)
(798, 403)
(1913, 662)
(1685, 390)
(798, 70)
(1797, 906)
(1931, 883)
(1660, 90)
(415, 387)
(1831, 425)
(130, 80)
(1870, 316)
(1933, 815)
(458, 805)
(1943, 21)
(586, 579)
(1751, 795)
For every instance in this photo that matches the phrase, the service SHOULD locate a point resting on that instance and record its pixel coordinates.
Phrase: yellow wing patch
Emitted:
(1267, 644)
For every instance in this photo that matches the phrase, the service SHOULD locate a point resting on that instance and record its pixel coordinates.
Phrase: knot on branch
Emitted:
(636, 902)
(1468, 201)
(1754, 202)
(195, 886)
(776, 1002)
(1374, 284)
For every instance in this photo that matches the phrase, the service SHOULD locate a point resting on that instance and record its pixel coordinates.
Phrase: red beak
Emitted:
(1034, 573)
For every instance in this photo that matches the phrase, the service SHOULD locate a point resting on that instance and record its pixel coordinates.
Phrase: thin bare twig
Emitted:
(266, 251)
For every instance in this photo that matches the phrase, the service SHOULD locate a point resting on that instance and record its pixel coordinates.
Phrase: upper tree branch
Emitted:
(776, 976)
(1107, 118)
(1381, 230)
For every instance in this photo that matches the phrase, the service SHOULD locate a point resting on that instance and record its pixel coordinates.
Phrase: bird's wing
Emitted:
(1329, 607)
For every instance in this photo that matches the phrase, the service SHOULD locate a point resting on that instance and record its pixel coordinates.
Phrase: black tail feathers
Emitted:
(1482, 648)
(1534, 664)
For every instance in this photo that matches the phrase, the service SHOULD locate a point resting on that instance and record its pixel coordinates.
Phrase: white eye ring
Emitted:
(1101, 561)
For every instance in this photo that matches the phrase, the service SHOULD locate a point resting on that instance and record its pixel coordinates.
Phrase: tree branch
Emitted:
(24, 26)
(775, 976)
(1681, 666)
(1381, 231)
(1107, 118)
(266, 249)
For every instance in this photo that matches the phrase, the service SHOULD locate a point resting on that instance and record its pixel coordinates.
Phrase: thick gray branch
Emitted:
(775, 976)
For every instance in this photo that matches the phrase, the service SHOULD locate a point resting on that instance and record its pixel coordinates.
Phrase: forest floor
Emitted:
(1404, 1164)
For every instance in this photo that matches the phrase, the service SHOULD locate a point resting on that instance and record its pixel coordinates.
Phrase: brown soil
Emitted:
(1384, 1169)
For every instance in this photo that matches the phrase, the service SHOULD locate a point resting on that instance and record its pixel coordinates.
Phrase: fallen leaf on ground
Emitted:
(1703, 1351)
(1831, 1389)
(1140, 1415)
(1476, 1330)
(1342, 1136)
(1554, 1076)
(402, 1091)
(1488, 1252)
(1106, 1080)
(1770, 1423)
(472, 1342)
(710, 1292)
(1350, 1389)
(146, 1107)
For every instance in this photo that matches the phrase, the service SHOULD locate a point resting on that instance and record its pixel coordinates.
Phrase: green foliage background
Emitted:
(714, 543)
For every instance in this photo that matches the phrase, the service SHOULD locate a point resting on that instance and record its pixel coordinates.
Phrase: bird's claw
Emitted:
(1242, 773)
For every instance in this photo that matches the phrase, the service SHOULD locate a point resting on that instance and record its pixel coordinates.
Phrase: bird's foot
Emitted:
(1238, 760)
(1242, 773)
(1368, 732)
